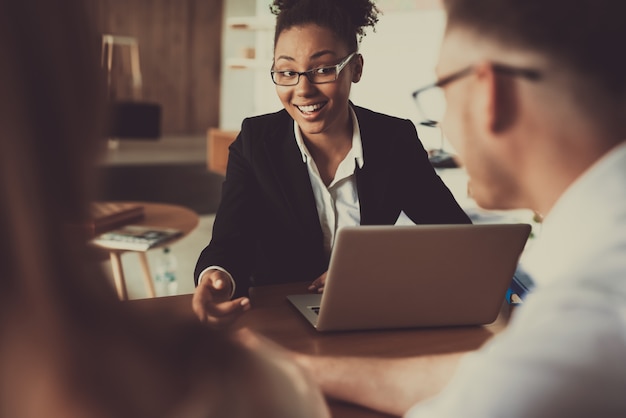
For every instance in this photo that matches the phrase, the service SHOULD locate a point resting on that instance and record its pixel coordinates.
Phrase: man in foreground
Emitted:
(535, 94)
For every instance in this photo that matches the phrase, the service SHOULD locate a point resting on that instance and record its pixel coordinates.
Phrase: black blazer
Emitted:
(267, 229)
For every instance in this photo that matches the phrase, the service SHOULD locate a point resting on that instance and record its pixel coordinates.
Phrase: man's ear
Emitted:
(500, 97)
(358, 68)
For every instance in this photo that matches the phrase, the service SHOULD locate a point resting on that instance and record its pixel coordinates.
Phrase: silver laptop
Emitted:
(383, 277)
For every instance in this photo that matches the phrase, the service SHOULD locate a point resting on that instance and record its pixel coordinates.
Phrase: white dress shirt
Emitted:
(564, 352)
(338, 204)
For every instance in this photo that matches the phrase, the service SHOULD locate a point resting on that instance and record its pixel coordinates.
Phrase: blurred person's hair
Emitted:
(584, 38)
(68, 346)
(51, 107)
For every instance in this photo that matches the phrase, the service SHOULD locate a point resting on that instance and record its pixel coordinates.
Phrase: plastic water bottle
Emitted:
(166, 283)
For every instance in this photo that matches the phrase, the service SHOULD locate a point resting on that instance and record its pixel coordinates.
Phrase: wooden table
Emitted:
(274, 317)
(160, 215)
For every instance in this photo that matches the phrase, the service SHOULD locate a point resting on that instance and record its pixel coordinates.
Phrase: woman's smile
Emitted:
(310, 110)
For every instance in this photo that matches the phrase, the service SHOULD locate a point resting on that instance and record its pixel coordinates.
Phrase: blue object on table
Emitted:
(521, 284)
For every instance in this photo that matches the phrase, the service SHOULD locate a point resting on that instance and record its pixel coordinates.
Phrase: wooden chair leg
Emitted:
(147, 277)
(118, 275)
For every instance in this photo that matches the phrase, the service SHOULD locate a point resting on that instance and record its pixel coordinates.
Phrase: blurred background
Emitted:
(205, 65)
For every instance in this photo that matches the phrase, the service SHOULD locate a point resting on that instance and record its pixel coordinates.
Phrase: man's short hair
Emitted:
(585, 36)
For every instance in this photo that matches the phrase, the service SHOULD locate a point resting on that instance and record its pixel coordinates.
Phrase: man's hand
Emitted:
(318, 284)
(292, 386)
(211, 300)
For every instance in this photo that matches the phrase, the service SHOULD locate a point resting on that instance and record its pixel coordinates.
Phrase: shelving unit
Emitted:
(258, 56)
(248, 46)
(250, 23)
(248, 63)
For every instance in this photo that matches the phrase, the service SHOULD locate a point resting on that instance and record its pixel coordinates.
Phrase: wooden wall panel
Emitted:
(205, 50)
(179, 45)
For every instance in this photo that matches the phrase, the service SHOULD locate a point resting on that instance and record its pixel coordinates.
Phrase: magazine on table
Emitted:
(135, 237)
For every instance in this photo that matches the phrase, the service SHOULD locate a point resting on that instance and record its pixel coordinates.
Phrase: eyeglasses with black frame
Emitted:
(431, 102)
(319, 75)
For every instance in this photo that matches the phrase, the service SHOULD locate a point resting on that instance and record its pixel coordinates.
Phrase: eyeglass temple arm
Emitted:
(522, 72)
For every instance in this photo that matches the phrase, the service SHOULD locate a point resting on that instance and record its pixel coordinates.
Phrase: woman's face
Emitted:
(319, 109)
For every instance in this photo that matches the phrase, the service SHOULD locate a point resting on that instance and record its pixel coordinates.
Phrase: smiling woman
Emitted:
(296, 176)
(319, 107)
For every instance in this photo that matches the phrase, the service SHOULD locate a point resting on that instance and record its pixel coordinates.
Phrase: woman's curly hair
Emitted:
(348, 19)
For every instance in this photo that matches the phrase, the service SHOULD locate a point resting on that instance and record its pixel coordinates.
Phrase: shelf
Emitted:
(251, 23)
(248, 63)
(168, 150)
(248, 53)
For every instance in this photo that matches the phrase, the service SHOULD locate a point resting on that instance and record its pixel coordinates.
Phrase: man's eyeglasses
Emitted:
(320, 75)
(431, 102)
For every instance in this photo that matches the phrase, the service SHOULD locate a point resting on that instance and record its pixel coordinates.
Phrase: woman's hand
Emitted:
(318, 284)
(211, 300)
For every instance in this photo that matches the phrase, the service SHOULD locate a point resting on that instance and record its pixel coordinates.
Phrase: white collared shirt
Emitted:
(338, 204)
(564, 352)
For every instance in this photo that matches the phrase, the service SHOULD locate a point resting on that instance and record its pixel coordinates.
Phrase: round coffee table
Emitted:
(160, 215)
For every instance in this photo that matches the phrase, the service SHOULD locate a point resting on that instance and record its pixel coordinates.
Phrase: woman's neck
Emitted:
(329, 150)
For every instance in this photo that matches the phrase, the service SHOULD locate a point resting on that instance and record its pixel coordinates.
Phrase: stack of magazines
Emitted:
(109, 215)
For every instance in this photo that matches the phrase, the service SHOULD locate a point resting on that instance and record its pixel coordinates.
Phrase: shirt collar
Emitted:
(356, 152)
